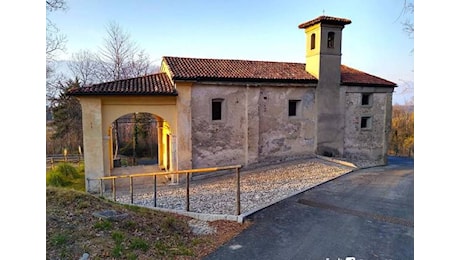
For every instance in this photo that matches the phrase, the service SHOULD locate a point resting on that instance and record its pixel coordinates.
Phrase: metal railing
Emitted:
(188, 174)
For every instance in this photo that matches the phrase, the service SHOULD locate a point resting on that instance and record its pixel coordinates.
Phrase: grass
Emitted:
(72, 230)
(67, 175)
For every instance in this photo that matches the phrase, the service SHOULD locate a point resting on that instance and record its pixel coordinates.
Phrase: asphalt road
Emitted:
(365, 214)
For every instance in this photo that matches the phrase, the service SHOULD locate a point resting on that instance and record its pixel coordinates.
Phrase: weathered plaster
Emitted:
(367, 147)
(184, 129)
(281, 135)
(255, 127)
(221, 142)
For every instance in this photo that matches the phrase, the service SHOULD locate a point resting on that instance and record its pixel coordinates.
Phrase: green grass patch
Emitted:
(59, 239)
(117, 251)
(118, 237)
(103, 225)
(139, 243)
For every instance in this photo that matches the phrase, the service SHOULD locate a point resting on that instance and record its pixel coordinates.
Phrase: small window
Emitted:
(312, 41)
(330, 39)
(366, 122)
(293, 107)
(217, 109)
(366, 99)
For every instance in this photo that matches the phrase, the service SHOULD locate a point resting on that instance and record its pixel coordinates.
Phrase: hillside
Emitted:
(72, 230)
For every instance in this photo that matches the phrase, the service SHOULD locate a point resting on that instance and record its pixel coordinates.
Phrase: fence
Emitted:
(188, 176)
(53, 159)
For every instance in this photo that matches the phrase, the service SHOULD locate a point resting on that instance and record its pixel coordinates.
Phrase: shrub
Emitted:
(56, 179)
(67, 170)
(66, 175)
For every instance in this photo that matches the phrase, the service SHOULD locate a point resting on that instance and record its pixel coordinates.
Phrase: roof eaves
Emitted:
(122, 94)
(224, 79)
(365, 84)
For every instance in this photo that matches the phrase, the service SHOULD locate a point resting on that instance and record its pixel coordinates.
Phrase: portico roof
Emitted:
(158, 84)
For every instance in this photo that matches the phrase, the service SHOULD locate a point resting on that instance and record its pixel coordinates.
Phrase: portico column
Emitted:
(93, 142)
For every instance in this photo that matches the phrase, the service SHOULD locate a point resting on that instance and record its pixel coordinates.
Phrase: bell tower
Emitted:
(323, 60)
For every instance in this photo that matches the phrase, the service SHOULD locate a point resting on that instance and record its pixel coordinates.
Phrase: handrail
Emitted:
(199, 170)
(187, 172)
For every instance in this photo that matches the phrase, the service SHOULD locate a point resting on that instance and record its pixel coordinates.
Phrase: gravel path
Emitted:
(259, 187)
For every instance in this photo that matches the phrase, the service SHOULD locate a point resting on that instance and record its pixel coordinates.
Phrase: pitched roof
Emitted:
(325, 20)
(158, 84)
(356, 77)
(259, 71)
(237, 70)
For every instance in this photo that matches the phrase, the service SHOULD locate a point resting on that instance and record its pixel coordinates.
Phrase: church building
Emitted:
(219, 112)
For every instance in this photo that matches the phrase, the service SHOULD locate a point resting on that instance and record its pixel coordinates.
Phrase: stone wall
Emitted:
(367, 146)
(255, 126)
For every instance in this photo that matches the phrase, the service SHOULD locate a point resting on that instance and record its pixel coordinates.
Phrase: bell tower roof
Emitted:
(325, 20)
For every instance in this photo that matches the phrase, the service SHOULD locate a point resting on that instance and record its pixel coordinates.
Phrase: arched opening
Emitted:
(139, 142)
(312, 41)
(330, 39)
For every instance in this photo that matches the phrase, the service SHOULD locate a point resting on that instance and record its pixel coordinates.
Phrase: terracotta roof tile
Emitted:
(259, 71)
(221, 70)
(157, 84)
(356, 77)
(237, 70)
(325, 20)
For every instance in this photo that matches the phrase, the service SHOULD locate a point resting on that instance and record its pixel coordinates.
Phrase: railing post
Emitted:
(155, 190)
(131, 188)
(238, 203)
(187, 196)
(114, 190)
(100, 187)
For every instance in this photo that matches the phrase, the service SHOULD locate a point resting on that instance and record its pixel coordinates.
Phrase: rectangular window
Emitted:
(366, 122)
(217, 109)
(366, 99)
(293, 107)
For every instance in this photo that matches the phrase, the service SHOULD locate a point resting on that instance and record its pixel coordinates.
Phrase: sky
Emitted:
(255, 30)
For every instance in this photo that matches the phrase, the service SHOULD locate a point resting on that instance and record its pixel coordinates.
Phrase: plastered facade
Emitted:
(255, 125)
(367, 146)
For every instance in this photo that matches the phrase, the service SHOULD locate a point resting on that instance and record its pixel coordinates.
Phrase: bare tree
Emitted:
(408, 24)
(85, 67)
(53, 5)
(118, 58)
(55, 41)
(121, 58)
